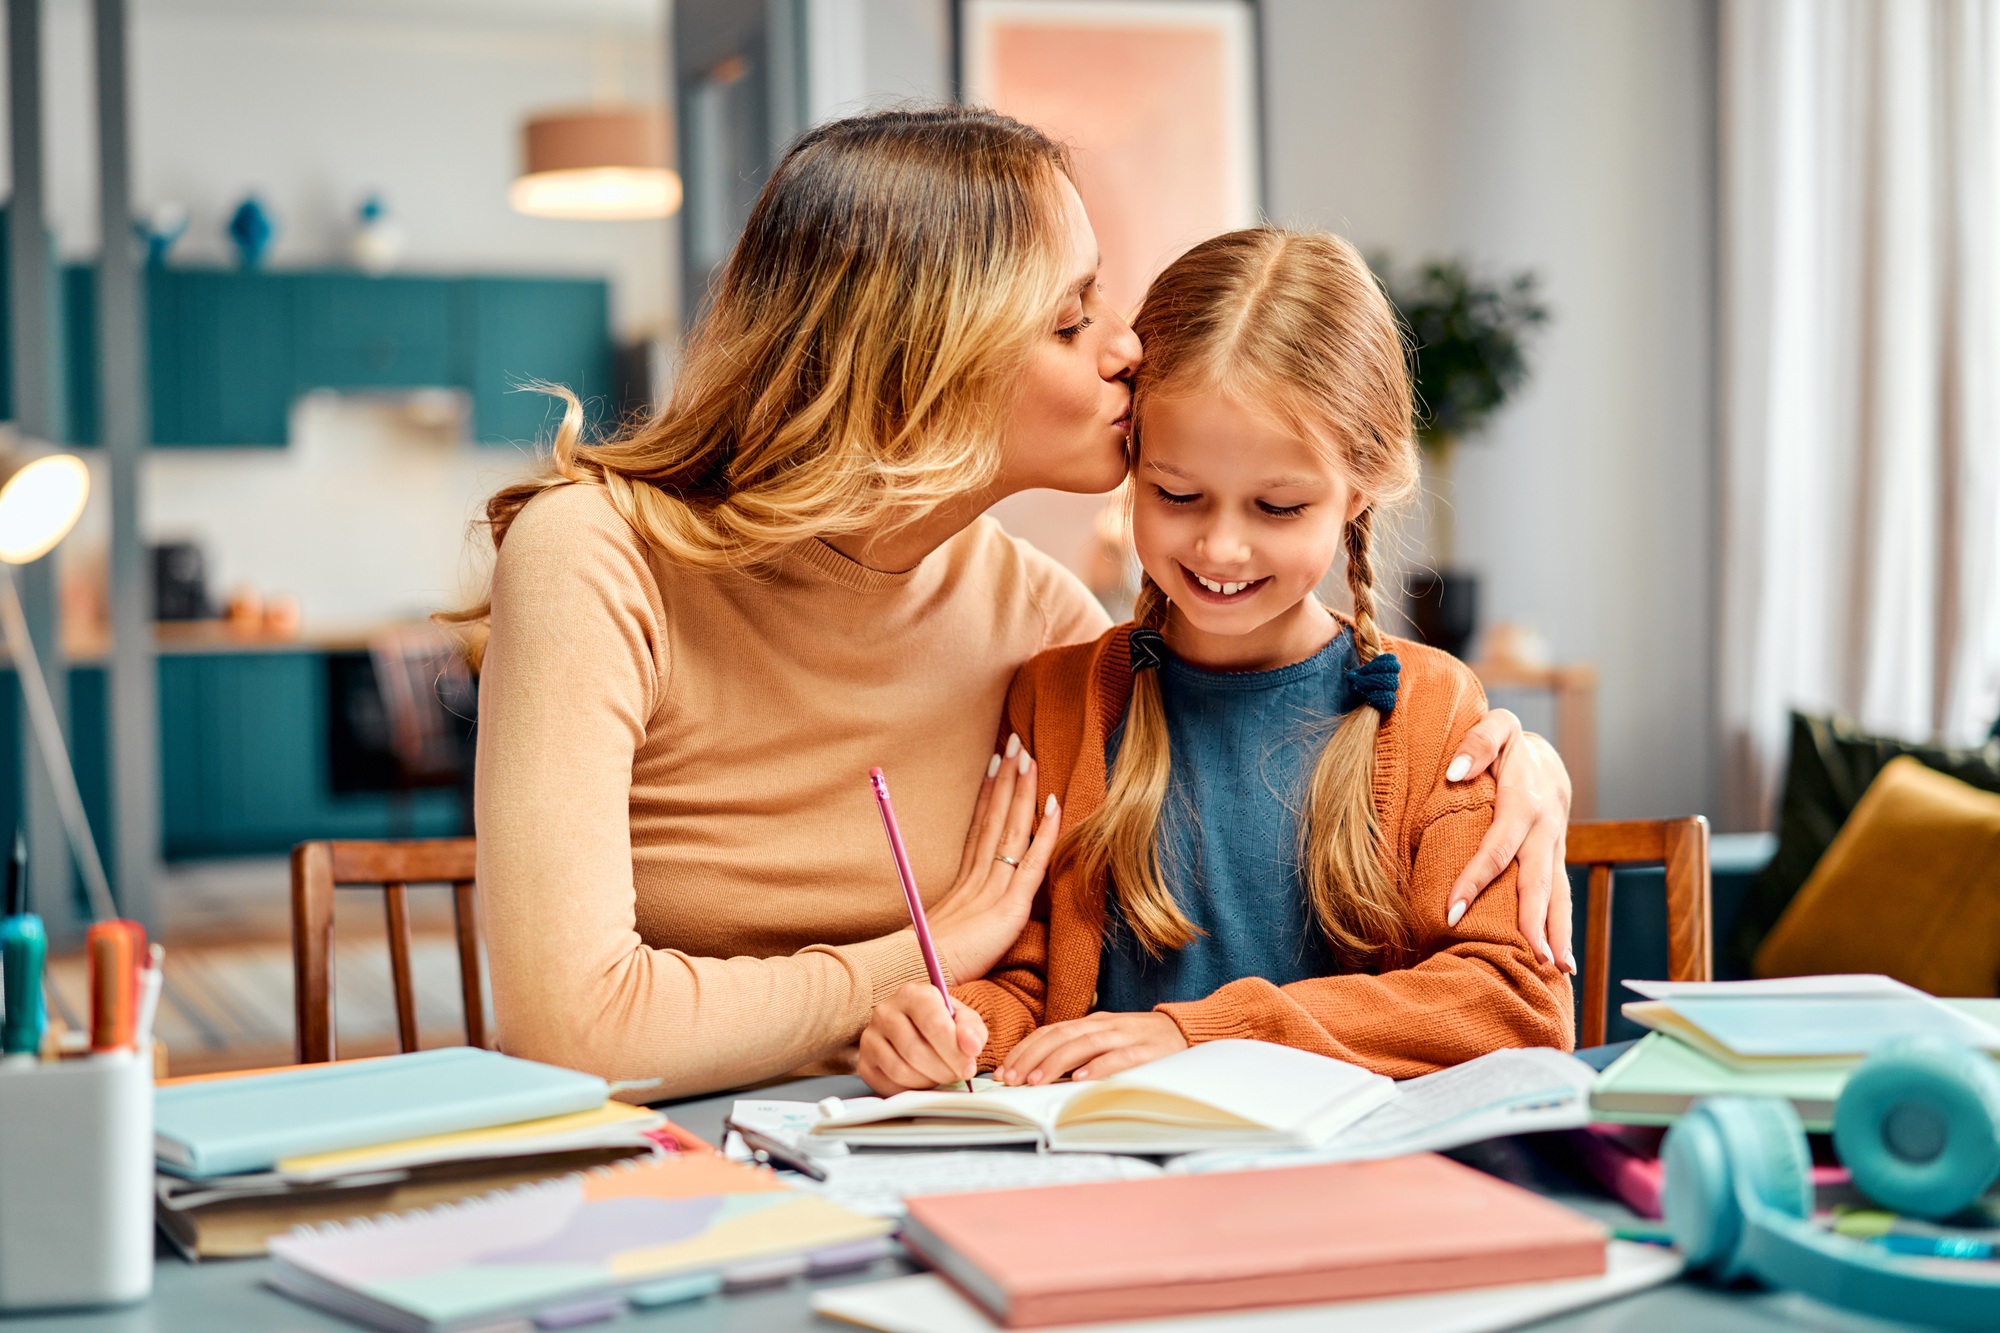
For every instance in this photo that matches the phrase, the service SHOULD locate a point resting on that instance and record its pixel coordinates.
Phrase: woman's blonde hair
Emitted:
(1294, 323)
(857, 360)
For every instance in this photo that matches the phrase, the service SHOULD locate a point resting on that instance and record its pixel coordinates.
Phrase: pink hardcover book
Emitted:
(1182, 1245)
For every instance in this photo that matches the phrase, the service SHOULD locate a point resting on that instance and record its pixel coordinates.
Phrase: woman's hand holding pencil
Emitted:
(917, 1038)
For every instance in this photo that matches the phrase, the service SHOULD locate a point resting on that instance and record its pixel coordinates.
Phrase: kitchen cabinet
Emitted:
(358, 332)
(244, 766)
(229, 350)
(515, 330)
(220, 346)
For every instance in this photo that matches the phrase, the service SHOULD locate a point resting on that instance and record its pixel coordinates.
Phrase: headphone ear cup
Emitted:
(1918, 1126)
(1726, 1152)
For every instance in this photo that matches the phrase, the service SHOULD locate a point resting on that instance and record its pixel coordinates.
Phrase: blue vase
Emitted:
(251, 227)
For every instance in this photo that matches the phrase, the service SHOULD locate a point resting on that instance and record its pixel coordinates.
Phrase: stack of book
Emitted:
(243, 1158)
(1792, 1037)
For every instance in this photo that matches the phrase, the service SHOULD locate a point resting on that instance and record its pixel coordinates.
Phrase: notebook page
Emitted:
(1500, 1093)
(1033, 1107)
(1246, 1082)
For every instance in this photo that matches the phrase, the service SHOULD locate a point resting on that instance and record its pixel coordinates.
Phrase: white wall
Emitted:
(1575, 138)
(314, 104)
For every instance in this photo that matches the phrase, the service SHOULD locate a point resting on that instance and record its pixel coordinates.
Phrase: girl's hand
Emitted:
(1530, 824)
(911, 1042)
(982, 915)
(1095, 1046)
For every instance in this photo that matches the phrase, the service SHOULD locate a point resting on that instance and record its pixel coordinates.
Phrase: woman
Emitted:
(705, 632)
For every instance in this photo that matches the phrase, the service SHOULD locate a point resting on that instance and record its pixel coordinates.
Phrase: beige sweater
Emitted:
(682, 870)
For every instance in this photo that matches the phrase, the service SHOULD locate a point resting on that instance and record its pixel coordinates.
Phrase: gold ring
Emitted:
(1002, 856)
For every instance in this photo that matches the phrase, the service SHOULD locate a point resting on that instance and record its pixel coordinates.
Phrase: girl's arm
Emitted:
(1477, 987)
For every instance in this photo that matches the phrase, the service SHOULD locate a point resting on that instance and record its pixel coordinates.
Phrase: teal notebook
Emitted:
(247, 1124)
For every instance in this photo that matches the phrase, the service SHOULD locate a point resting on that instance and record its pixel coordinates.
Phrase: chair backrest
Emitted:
(318, 869)
(427, 691)
(1681, 845)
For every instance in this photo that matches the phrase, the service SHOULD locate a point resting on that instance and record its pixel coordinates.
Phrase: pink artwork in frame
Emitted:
(1157, 101)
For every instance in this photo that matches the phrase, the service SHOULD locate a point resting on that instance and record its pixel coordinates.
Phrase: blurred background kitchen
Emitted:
(360, 228)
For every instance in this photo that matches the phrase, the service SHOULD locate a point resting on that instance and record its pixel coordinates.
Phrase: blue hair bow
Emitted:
(1148, 649)
(1374, 683)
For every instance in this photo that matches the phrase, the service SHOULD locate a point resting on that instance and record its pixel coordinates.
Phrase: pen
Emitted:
(771, 1152)
(151, 977)
(910, 896)
(17, 876)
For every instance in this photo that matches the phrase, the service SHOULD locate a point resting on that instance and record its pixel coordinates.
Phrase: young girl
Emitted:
(1262, 838)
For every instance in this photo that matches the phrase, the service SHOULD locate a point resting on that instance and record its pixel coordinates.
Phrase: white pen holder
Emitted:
(76, 1181)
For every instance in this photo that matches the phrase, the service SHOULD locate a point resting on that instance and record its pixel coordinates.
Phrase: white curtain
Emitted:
(1860, 330)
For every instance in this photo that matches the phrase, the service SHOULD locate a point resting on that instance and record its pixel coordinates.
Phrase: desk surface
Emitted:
(226, 1296)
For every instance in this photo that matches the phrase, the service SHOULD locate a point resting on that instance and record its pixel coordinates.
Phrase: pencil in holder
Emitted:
(76, 1181)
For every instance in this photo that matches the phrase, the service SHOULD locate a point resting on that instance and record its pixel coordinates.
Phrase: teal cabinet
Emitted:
(223, 364)
(514, 332)
(244, 768)
(358, 332)
(230, 350)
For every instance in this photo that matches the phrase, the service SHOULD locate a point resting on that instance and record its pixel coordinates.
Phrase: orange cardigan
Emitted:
(1472, 988)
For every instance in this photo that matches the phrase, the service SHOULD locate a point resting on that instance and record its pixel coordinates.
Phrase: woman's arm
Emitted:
(575, 668)
(1530, 827)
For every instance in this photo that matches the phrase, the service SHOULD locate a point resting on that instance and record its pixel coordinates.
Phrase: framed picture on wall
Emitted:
(1158, 101)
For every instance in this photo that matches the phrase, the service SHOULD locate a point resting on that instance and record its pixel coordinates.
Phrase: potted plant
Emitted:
(1468, 357)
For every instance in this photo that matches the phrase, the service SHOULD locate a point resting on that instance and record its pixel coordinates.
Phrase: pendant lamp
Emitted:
(612, 163)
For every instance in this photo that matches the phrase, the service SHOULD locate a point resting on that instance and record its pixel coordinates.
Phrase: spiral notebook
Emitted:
(584, 1245)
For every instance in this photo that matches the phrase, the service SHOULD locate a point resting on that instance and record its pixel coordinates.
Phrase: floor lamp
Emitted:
(40, 501)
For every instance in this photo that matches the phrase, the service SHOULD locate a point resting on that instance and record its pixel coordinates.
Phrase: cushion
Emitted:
(1910, 887)
(1832, 762)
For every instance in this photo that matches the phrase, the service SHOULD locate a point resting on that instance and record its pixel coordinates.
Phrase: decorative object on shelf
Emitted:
(378, 237)
(1469, 340)
(162, 225)
(607, 163)
(40, 501)
(252, 228)
(180, 582)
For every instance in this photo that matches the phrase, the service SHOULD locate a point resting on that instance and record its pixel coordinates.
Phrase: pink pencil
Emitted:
(910, 896)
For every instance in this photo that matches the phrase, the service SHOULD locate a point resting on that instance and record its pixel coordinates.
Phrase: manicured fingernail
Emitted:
(1457, 911)
(993, 766)
(1547, 957)
(1049, 806)
(1459, 768)
(1013, 745)
(1024, 762)
(1569, 957)
(1080, 1076)
(1035, 1077)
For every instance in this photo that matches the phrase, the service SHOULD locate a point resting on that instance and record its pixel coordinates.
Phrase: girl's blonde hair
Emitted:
(1294, 323)
(856, 363)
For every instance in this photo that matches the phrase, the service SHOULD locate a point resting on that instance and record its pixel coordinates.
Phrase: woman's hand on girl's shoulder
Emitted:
(1094, 1046)
(1530, 825)
(911, 1042)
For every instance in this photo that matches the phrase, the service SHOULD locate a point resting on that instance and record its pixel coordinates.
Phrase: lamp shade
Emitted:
(39, 503)
(606, 163)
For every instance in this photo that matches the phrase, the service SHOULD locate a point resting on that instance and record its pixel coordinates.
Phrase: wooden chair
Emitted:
(1681, 845)
(318, 869)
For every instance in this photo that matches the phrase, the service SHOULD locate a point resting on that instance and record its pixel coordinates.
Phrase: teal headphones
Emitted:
(1918, 1128)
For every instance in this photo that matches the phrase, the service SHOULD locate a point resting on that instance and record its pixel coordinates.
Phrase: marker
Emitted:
(910, 895)
(24, 947)
(115, 948)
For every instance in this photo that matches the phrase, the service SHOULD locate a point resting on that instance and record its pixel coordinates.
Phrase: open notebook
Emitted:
(1220, 1094)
